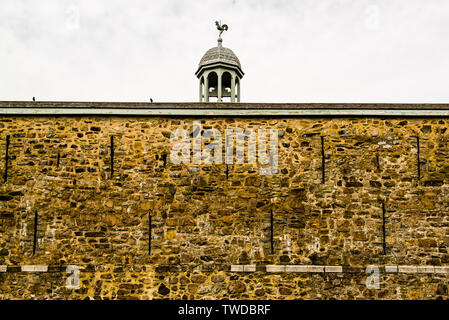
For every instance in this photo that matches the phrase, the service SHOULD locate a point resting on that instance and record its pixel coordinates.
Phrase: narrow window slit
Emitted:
(5, 176)
(383, 228)
(271, 231)
(58, 159)
(112, 156)
(323, 177)
(164, 159)
(149, 232)
(227, 172)
(35, 233)
(418, 158)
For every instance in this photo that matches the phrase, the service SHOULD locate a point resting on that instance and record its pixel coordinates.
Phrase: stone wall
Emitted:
(60, 205)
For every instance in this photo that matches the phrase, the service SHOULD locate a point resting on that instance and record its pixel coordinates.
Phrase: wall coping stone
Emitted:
(71, 108)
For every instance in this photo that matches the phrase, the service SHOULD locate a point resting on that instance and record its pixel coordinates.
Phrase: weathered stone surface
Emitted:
(285, 291)
(236, 287)
(198, 278)
(207, 217)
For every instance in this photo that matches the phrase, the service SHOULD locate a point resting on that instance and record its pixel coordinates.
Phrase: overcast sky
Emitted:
(290, 51)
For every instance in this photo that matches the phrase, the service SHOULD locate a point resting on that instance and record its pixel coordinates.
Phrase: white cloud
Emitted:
(291, 51)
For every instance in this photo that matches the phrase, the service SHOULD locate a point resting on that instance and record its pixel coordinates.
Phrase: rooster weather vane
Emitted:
(221, 27)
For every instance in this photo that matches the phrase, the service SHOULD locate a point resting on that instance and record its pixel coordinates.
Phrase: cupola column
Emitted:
(206, 87)
(201, 89)
(220, 94)
(238, 92)
(233, 88)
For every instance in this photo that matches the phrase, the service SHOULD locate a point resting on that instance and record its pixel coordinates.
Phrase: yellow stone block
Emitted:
(390, 240)
(146, 205)
(170, 234)
(138, 146)
(227, 219)
(415, 294)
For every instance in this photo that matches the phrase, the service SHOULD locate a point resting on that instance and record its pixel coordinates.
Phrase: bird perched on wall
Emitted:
(34, 99)
(151, 100)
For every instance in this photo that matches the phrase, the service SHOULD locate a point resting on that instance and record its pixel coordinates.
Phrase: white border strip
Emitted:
(275, 268)
(34, 268)
(408, 269)
(442, 270)
(224, 112)
(243, 268)
(338, 269)
(391, 269)
(287, 268)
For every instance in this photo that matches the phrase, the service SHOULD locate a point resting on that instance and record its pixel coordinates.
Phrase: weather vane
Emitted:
(221, 27)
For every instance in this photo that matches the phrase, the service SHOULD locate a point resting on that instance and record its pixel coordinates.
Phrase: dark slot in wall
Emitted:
(5, 175)
(164, 159)
(418, 158)
(149, 232)
(58, 159)
(112, 156)
(271, 231)
(383, 228)
(323, 177)
(35, 233)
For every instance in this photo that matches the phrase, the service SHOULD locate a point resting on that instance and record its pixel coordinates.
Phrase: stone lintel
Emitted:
(296, 268)
(34, 268)
(408, 269)
(237, 268)
(275, 268)
(391, 269)
(441, 270)
(338, 269)
(249, 268)
(425, 269)
(313, 268)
